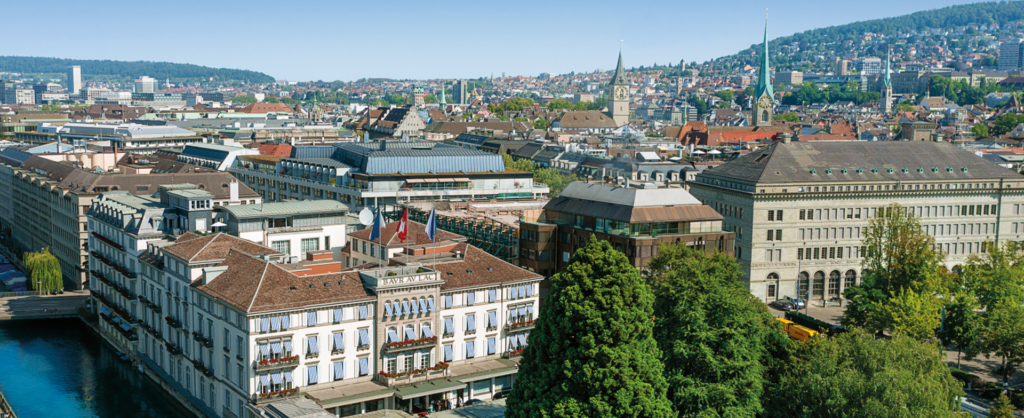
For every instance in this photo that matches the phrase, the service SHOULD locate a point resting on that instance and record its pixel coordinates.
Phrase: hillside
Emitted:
(107, 69)
(939, 33)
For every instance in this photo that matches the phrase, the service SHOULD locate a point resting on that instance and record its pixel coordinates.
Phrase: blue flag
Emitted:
(378, 223)
(432, 225)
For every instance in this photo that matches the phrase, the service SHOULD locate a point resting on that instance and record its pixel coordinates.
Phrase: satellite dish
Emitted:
(366, 217)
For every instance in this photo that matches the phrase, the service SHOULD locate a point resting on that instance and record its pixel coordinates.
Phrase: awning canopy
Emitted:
(413, 181)
(462, 179)
(430, 387)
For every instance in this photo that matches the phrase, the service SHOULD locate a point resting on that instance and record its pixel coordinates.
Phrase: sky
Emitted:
(302, 40)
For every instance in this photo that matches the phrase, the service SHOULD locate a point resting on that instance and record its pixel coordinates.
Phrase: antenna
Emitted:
(366, 217)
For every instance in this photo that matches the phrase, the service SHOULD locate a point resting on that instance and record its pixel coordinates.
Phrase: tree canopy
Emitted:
(43, 271)
(592, 353)
(716, 338)
(129, 69)
(554, 179)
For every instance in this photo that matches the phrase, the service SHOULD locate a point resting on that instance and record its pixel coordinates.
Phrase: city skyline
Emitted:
(460, 45)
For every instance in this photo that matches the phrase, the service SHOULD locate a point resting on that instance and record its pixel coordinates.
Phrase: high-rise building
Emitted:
(619, 87)
(1010, 54)
(145, 85)
(74, 79)
(764, 108)
(870, 66)
(459, 92)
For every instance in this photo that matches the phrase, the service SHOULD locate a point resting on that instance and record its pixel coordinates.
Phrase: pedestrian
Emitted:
(447, 404)
(430, 409)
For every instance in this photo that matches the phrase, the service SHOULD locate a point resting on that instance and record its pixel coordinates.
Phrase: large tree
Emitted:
(961, 325)
(43, 271)
(592, 353)
(1002, 334)
(856, 375)
(908, 313)
(996, 274)
(899, 255)
(715, 337)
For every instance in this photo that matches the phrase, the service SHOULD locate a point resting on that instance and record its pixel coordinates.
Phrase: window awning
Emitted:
(392, 337)
(288, 345)
(410, 334)
(462, 179)
(430, 180)
(413, 181)
(446, 180)
(426, 389)
(275, 347)
(427, 332)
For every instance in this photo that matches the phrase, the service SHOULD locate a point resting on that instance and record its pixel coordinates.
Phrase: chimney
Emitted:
(210, 273)
(383, 145)
(233, 186)
(787, 137)
(366, 137)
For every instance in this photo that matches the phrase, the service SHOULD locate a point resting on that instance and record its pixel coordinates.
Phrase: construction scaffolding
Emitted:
(496, 239)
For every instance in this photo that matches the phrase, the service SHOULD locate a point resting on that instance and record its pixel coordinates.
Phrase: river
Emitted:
(60, 368)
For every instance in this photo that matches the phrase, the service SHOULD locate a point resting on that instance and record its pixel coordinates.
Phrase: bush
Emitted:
(1017, 399)
(965, 377)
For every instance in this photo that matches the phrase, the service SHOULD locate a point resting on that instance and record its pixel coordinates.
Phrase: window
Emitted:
(778, 235)
(778, 215)
(771, 235)
(771, 216)
(803, 214)
(282, 246)
(310, 244)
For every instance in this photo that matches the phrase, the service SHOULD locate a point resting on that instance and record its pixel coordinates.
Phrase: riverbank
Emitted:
(5, 408)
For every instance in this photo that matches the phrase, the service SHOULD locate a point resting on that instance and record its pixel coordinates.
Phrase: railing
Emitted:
(512, 354)
(522, 325)
(109, 241)
(18, 294)
(174, 323)
(175, 349)
(390, 379)
(409, 345)
(276, 363)
(269, 396)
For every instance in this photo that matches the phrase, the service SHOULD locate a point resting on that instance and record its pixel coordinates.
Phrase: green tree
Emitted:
(904, 107)
(909, 313)
(980, 130)
(899, 255)
(856, 375)
(592, 353)
(541, 124)
(989, 61)
(43, 271)
(725, 95)
(272, 100)
(557, 104)
(962, 325)
(714, 336)
(788, 117)
(1001, 408)
(1006, 123)
(1003, 335)
(289, 101)
(243, 99)
(996, 274)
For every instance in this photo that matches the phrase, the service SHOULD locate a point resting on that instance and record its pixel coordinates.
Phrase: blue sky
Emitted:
(346, 40)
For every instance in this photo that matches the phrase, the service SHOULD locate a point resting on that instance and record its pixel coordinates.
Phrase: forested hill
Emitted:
(107, 69)
(913, 29)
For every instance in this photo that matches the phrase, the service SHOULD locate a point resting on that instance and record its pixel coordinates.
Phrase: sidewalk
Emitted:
(487, 409)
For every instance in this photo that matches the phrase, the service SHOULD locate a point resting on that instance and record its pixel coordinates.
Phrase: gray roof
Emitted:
(825, 161)
(416, 157)
(267, 210)
(13, 157)
(312, 151)
(326, 162)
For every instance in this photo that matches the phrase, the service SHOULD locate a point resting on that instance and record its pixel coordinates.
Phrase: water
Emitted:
(60, 368)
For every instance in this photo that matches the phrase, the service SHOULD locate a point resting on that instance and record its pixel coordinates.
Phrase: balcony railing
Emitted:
(174, 323)
(437, 371)
(109, 241)
(175, 349)
(521, 325)
(284, 362)
(409, 345)
(512, 354)
(273, 396)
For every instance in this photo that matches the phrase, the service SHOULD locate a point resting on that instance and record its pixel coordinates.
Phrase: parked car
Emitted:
(782, 305)
(797, 302)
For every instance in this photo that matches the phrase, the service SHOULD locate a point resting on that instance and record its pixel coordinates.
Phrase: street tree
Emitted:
(857, 375)
(1002, 334)
(43, 271)
(996, 274)
(961, 325)
(1001, 408)
(592, 353)
(908, 313)
(715, 337)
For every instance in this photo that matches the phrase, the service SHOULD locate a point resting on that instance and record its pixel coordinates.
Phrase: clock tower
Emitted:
(618, 90)
(764, 104)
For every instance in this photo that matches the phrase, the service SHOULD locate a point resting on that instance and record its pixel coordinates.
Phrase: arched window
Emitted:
(764, 115)
(392, 335)
(803, 285)
(406, 334)
(818, 286)
(833, 283)
(773, 286)
(851, 279)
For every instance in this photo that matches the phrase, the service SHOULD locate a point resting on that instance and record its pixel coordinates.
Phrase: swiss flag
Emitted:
(403, 226)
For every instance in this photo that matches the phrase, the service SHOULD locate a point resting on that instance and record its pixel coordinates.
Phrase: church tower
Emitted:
(618, 106)
(887, 86)
(763, 92)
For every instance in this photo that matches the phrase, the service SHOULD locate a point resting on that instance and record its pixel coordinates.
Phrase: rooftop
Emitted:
(278, 209)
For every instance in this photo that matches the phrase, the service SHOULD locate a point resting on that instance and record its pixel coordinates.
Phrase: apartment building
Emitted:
(385, 173)
(50, 201)
(634, 221)
(235, 327)
(292, 228)
(800, 210)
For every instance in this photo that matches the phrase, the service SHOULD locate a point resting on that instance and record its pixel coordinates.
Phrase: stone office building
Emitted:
(634, 221)
(800, 210)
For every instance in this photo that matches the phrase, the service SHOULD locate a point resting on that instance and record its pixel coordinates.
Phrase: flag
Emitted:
(432, 225)
(378, 223)
(403, 225)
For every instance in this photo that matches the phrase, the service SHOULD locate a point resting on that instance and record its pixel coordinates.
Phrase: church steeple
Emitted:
(764, 79)
(888, 71)
(887, 85)
(764, 94)
(620, 74)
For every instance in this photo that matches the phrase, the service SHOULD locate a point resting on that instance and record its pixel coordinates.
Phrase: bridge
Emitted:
(32, 305)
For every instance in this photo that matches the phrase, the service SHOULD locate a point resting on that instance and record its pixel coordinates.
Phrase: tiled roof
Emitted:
(478, 268)
(417, 234)
(277, 150)
(254, 285)
(213, 247)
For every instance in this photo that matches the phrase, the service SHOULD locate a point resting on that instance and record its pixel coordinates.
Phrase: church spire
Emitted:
(620, 74)
(764, 79)
(888, 72)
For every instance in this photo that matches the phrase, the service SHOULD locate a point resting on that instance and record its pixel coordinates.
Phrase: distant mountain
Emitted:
(93, 69)
(931, 33)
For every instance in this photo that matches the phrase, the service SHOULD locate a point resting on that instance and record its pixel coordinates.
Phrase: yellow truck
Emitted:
(797, 332)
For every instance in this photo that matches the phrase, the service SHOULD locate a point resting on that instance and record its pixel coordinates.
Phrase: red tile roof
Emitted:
(276, 150)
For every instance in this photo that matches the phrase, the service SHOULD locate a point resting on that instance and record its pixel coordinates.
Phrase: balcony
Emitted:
(407, 345)
(109, 241)
(520, 326)
(274, 396)
(512, 354)
(208, 342)
(273, 364)
(174, 323)
(175, 349)
(439, 370)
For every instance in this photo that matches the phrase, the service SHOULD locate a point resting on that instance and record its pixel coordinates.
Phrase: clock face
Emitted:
(764, 102)
(620, 93)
